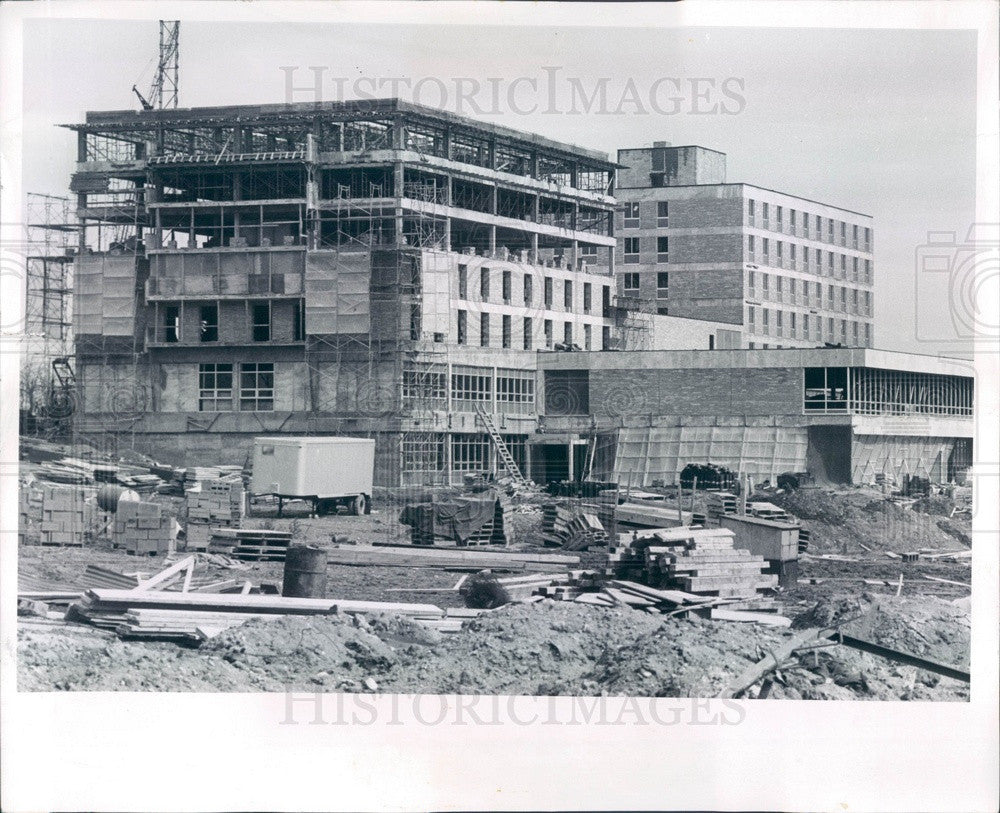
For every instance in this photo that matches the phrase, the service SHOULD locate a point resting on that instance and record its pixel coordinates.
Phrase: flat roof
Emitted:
(106, 120)
(759, 359)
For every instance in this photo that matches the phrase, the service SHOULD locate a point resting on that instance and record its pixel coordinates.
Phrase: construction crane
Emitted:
(163, 92)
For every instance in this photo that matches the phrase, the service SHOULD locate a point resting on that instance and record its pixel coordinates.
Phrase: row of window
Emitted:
(632, 247)
(217, 387)
(773, 218)
(803, 224)
(527, 332)
(426, 451)
(208, 323)
(795, 256)
(803, 292)
(808, 327)
(527, 289)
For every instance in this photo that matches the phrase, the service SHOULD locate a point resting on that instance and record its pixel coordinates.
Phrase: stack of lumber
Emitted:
(571, 527)
(66, 514)
(142, 528)
(444, 558)
(68, 470)
(767, 510)
(219, 502)
(698, 561)
(720, 503)
(803, 539)
(250, 544)
(162, 614)
(587, 587)
(634, 515)
(96, 576)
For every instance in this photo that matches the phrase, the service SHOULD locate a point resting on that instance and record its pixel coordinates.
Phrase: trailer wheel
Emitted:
(358, 505)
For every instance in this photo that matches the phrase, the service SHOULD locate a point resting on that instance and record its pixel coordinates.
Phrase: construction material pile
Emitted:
(66, 514)
(571, 527)
(255, 544)
(142, 528)
(701, 561)
(472, 519)
(216, 502)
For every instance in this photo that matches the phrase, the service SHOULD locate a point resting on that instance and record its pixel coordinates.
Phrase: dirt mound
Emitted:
(846, 520)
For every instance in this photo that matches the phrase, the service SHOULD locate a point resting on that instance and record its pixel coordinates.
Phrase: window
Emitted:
(484, 284)
(868, 335)
(751, 245)
(843, 331)
(632, 215)
(631, 249)
(765, 283)
(854, 232)
(854, 333)
(780, 249)
(765, 214)
(663, 280)
(257, 387)
(843, 299)
(750, 208)
(587, 331)
(420, 383)
(779, 286)
(568, 295)
(791, 290)
(484, 330)
(765, 318)
(854, 270)
(463, 327)
(854, 300)
(805, 224)
(587, 297)
(171, 323)
(506, 287)
(663, 213)
(568, 334)
(868, 272)
(791, 219)
(215, 387)
(632, 281)
(779, 322)
(868, 239)
(829, 329)
(261, 326)
(766, 246)
(548, 333)
(791, 253)
(463, 282)
(298, 322)
(470, 452)
(805, 325)
(843, 233)
(526, 327)
(791, 324)
(505, 330)
(424, 452)
(819, 227)
(662, 249)
(528, 289)
(868, 303)
(711, 342)
(605, 337)
(751, 283)
(751, 318)
(209, 323)
(515, 387)
(548, 293)
(588, 251)
(805, 257)
(825, 389)
(843, 265)
(829, 297)
(777, 213)
(663, 311)
(829, 262)
(829, 231)
(471, 386)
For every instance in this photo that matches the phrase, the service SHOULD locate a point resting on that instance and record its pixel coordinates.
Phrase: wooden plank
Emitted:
(722, 614)
(163, 576)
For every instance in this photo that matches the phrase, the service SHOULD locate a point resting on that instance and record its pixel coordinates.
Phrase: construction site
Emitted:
(367, 396)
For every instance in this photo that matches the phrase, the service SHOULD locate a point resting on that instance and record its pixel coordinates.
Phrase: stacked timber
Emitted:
(701, 562)
(66, 515)
(571, 527)
(219, 503)
(719, 504)
(634, 515)
(250, 544)
(443, 558)
(767, 510)
(142, 528)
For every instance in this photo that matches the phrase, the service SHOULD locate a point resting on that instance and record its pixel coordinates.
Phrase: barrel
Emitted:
(305, 572)
(108, 497)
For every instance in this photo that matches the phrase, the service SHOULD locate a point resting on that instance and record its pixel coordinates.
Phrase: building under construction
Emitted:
(372, 268)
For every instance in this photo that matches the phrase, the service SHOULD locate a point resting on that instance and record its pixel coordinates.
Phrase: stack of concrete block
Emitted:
(142, 528)
(29, 514)
(219, 503)
(66, 515)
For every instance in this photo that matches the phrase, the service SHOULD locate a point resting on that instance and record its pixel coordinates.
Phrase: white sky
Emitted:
(877, 121)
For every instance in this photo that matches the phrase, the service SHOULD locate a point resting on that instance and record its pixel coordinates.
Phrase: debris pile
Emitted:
(571, 527)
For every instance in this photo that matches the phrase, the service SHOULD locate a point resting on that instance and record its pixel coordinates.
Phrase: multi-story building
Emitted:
(367, 268)
(792, 272)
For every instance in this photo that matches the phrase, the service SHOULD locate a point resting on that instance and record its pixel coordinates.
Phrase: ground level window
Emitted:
(257, 387)
(215, 387)
(470, 452)
(424, 452)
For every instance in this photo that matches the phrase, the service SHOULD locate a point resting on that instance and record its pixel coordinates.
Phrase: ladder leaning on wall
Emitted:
(502, 451)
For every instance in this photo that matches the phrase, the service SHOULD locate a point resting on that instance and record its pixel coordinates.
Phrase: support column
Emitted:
(397, 182)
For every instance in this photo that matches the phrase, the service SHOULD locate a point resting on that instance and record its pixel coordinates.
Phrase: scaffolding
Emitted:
(50, 242)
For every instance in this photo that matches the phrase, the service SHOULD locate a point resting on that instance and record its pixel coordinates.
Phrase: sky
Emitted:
(881, 122)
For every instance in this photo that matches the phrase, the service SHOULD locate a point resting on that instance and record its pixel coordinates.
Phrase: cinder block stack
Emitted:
(29, 505)
(219, 504)
(142, 528)
(719, 504)
(66, 515)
